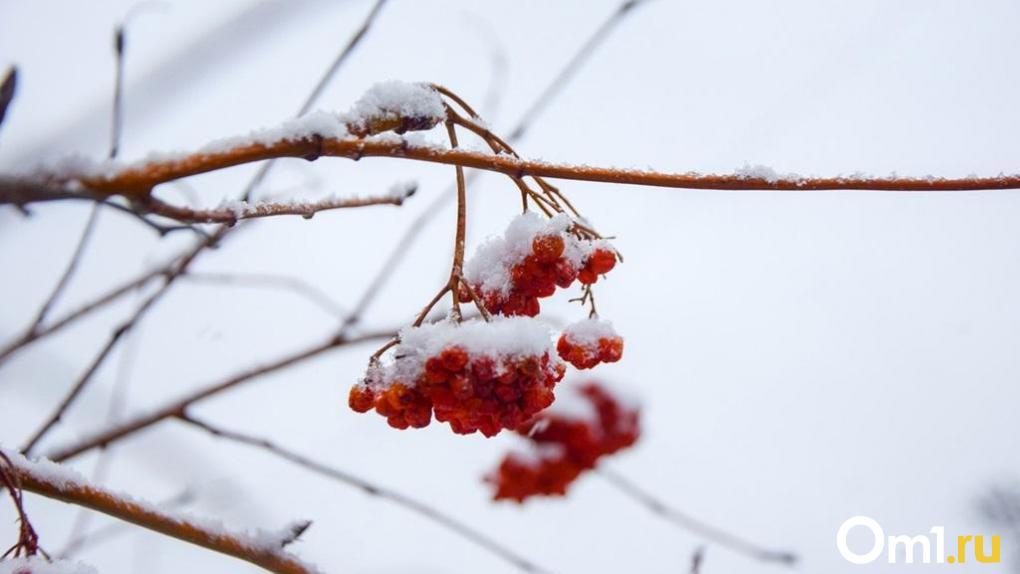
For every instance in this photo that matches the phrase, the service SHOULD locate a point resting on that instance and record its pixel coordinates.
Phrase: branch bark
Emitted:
(138, 181)
(54, 482)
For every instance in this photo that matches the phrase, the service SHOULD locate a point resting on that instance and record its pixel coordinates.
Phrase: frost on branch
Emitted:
(586, 423)
(530, 260)
(587, 343)
(474, 375)
(39, 565)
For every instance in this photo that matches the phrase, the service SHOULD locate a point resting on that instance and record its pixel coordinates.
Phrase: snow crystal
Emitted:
(491, 263)
(509, 337)
(396, 98)
(39, 565)
(766, 173)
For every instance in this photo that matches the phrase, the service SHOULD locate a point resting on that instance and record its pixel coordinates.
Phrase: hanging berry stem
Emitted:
(458, 246)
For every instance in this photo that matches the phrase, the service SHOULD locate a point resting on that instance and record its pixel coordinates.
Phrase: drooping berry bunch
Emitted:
(567, 440)
(587, 343)
(533, 257)
(474, 375)
(499, 371)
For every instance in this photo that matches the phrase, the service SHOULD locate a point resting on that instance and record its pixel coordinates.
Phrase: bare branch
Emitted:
(43, 331)
(416, 506)
(54, 482)
(694, 525)
(175, 408)
(295, 284)
(72, 265)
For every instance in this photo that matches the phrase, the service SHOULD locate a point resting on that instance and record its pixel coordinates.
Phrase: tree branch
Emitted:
(418, 507)
(137, 181)
(694, 525)
(175, 408)
(53, 481)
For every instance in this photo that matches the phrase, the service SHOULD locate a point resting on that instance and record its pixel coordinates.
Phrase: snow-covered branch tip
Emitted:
(262, 548)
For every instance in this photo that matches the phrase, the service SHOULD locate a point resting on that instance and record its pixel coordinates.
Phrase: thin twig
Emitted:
(65, 278)
(7, 90)
(697, 559)
(231, 215)
(302, 288)
(572, 67)
(98, 303)
(319, 88)
(116, 125)
(706, 531)
(28, 540)
(433, 514)
(174, 408)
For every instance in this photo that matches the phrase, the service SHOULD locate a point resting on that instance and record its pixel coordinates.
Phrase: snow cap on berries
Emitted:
(533, 257)
(587, 343)
(474, 375)
(489, 268)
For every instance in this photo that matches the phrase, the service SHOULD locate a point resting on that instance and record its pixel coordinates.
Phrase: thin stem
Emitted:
(456, 270)
(431, 513)
(694, 525)
(476, 300)
(428, 307)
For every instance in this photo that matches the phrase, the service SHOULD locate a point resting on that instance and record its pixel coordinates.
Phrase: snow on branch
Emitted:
(262, 548)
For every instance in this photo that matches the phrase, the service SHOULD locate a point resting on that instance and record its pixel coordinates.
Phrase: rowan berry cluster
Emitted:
(476, 376)
(567, 440)
(533, 257)
(587, 343)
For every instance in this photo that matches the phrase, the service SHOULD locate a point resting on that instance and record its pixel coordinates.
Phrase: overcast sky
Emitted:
(803, 357)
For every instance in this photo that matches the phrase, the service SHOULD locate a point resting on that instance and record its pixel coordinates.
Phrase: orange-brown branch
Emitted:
(44, 482)
(139, 180)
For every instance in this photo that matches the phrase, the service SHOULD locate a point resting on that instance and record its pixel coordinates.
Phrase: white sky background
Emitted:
(804, 357)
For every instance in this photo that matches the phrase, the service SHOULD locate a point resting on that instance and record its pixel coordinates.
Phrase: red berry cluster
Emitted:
(471, 393)
(567, 447)
(585, 356)
(539, 274)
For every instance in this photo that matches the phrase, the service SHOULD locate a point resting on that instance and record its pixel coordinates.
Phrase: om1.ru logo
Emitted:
(924, 544)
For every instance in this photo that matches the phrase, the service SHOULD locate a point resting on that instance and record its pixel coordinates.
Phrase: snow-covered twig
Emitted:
(416, 506)
(230, 212)
(55, 481)
(137, 180)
